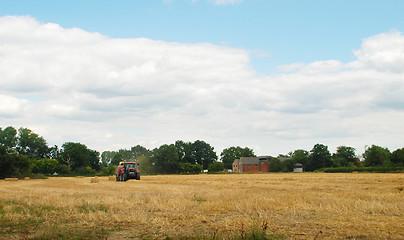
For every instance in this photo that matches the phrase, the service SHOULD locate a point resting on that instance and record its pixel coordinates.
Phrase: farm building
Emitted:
(252, 164)
(298, 167)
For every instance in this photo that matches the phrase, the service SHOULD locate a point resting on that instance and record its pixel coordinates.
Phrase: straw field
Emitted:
(282, 206)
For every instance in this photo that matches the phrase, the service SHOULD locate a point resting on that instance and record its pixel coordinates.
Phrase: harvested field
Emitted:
(285, 206)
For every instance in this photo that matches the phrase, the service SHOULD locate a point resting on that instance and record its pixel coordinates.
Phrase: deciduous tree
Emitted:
(301, 156)
(185, 152)
(344, 156)
(106, 158)
(8, 138)
(287, 165)
(165, 159)
(124, 155)
(13, 164)
(203, 153)
(45, 166)
(190, 168)
(228, 155)
(138, 151)
(376, 156)
(397, 157)
(216, 167)
(275, 165)
(320, 157)
(31, 144)
(77, 155)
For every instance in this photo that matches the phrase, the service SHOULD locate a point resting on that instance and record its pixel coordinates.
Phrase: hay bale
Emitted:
(111, 178)
(355, 172)
(95, 180)
(27, 178)
(11, 179)
(79, 176)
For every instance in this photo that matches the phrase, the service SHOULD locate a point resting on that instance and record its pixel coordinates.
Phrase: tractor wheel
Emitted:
(116, 178)
(138, 176)
(125, 177)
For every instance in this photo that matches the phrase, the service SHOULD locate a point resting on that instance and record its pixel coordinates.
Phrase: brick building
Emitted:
(252, 164)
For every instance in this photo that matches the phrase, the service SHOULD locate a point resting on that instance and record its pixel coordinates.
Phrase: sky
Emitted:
(274, 76)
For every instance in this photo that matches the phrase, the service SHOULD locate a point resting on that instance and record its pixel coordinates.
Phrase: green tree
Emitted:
(284, 156)
(198, 152)
(165, 159)
(190, 168)
(203, 153)
(216, 167)
(108, 170)
(287, 165)
(8, 138)
(228, 155)
(320, 157)
(301, 156)
(63, 168)
(124, 155)
(185, 152)
(45, 166)
(138, 151)
(53, 152)
(13, 164)
(77, 155)
(275, 165)
(31, 144)
(90, 171)
(107, 157)
(344, 156)
(397, 157)
(376, 156)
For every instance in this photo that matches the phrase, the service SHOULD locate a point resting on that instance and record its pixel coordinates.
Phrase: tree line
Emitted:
(345, 157)
(180, 157)
(24, 153)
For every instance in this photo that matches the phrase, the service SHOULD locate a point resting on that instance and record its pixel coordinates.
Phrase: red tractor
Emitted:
(127, 170)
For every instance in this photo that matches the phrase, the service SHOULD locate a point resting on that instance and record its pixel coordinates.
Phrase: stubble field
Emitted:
(236, 206)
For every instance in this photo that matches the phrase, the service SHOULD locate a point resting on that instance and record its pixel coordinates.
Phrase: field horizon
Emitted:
(207, 206)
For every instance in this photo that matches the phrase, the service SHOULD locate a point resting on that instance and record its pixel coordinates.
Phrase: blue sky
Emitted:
(276, 32)
(274, 76)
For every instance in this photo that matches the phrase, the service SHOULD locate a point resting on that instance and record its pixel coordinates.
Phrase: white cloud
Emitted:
(383, 52)
(11, 106)
(72, 85)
